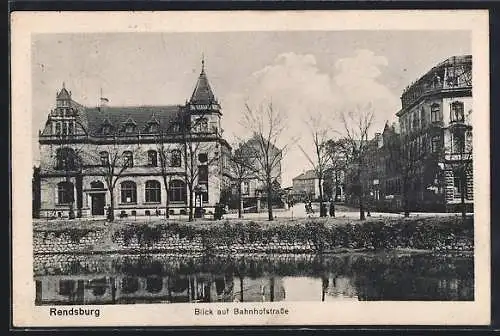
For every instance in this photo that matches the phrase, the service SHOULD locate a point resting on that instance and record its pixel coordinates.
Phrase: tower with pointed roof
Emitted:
(204, 109)
(140, 136)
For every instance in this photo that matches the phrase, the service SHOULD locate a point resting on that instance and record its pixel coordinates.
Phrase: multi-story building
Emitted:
(306, 185)
(436, 130)
(382, 175)
(253, 185)
(132, 156)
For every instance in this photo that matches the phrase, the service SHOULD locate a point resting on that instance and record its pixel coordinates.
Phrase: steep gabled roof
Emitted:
(141, 116)
(63, 94)
(308, 175)
(202, 93)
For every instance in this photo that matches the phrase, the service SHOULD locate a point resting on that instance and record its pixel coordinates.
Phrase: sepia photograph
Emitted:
(249, 175)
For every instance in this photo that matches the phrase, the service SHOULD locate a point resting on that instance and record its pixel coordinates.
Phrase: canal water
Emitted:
(173, 278)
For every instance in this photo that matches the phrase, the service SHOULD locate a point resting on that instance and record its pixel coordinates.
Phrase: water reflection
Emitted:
(120, 279)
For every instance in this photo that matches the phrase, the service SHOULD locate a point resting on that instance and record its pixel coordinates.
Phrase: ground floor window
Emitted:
(128, 192)
(457, 185)
(65, 192)
(177, 191)
(153, 191)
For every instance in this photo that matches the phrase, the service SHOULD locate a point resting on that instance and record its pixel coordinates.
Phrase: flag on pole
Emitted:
(104, 100)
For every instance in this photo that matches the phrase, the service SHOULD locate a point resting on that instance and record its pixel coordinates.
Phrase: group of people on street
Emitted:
(323, 210)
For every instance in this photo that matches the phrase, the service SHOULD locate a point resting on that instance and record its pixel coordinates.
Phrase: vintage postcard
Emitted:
(250, 168)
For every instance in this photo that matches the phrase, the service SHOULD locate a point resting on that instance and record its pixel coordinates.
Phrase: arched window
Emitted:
(104, 157)
(435, 113)
(130, 285)
(129, 192)
(153, 191)
(154, 284)
(128, 159)
(202, 124)
(152, 158)
(96, 185)
(457, 112)
(177, 191)
(65, 193)
(203, 157)
(175, 160)
(66, 159)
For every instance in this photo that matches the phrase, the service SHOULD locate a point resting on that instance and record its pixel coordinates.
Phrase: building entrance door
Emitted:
(98, 204)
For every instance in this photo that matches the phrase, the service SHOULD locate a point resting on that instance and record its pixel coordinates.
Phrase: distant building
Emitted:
(306, 185)
(383, 171)
(254, 187)
(82, 148)
(435, 121)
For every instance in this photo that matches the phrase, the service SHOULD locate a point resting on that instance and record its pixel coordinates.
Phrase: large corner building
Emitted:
(135, 151)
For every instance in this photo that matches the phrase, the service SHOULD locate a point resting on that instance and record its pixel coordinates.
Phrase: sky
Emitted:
(304, 74)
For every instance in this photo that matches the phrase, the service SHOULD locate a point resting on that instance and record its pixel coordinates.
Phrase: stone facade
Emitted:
(137, 152)
(436, 119)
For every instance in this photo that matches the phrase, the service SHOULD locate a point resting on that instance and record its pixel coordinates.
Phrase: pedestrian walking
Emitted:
(332, 209)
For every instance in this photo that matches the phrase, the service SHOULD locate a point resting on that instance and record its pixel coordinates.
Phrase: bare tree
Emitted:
(111, 160)
(320, 160)
(357, 122)
(267, 125)
(338, 155)
(164, 150)
(242, 169)
(406, 157)
(69, 159)
(193, 144)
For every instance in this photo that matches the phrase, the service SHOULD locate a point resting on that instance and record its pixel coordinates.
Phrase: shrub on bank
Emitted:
(446, 233)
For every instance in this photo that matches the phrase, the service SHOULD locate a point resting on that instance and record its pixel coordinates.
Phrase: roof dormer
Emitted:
(129, 126)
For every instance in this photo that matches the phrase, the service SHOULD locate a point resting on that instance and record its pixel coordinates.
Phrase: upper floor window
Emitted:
(202, 125)
(435, 113)
(104, 158)
(129, 128)
(435, 143)
(422, 116)
(176, 128)
(175, 159)
(58, 130)
(152, 158)
(66, 159)
(128, 159)
(458, 142)
(106, 129)
(457, 112)
(415, 121)
(65, 193)
(203, 157)
(153, 127)
(245, 188)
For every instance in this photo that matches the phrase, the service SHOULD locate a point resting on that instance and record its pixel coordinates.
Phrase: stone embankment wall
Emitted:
(252, 237)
